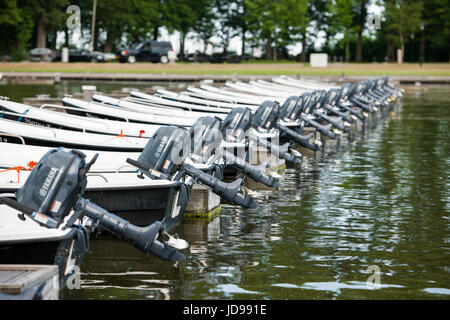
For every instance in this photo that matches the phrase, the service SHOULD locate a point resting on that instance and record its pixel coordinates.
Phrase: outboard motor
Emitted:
(236, 124)
(322, 107)
(302, 110)
(343, 101)
(331, 104)
(206, 139)
(55, 187)
(357, 97)
(164, 158)
(266, 118)
(236, 127)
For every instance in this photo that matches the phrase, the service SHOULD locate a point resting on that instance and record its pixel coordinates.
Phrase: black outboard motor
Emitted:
(236, 128)
(321, 109)
(236, 124)
(56, 186)
(331, 104)
(343, 101)
(164, 158)
(357, 97)
(302, 110)
(206, 139)
(266, 117)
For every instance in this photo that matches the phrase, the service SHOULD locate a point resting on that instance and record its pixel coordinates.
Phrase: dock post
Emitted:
(203, 204)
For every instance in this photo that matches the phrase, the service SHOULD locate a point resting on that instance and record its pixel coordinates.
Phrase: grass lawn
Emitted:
(253, 68)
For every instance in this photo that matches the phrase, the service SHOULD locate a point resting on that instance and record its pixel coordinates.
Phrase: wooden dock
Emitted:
(29, 282)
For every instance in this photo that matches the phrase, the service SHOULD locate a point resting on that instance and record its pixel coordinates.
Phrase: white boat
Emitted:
(25, 242)
(177, 100)
(13, 155)
(62, 120)
(192, 103)
(224, 93)
(264, 93)
(158, 106)
(109, 112)
(202, 93)
(277, 87)
(17, 132)
(304, 84)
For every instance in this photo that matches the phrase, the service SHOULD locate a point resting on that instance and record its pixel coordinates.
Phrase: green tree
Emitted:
(403, 18)
(275, 23)
(182, 15)
(11, 24)
(360, 17)
(436, 27)
(341, 22)
(205, 27)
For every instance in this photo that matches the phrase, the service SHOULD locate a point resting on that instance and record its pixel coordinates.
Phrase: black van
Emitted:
(154, 51)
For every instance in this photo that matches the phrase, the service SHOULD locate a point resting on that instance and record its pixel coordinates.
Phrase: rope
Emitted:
(30, 167)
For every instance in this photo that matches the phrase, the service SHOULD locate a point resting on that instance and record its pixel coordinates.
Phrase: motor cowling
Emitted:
(165, 152)
(266, 116)
(205, 137)
(54, 185)
(236, 124)
(288, 111)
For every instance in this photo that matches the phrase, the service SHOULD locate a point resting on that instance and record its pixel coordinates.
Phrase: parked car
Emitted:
(196, 57)
(41, 54)
(229, 57)
(154, 51)
(81, 55)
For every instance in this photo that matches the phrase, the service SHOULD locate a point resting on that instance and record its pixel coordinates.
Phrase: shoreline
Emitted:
(56, 77)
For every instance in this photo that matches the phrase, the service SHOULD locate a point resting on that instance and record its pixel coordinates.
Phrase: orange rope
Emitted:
(30, 167)
(18, 169)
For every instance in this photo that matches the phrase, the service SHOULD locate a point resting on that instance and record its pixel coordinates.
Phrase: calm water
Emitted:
(379, 199)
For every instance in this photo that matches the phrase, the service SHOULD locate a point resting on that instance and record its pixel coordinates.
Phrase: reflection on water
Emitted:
(380, 198)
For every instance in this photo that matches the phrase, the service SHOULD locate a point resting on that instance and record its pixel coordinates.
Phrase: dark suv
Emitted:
(154, 51)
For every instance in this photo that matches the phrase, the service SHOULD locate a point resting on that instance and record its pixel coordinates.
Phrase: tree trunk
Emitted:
(54, 37)
(402, 43)
(390, 51)
(182, 39)
(66, 36)
(274, 54)
(244, 30)
(41, 33)
(402, 48)
(362, 21)
(422, 48)
(359, 46)
(347, 50)
(155, 33)
(108, 43)
(205, 45)
(303, 55)
(243, 27)
(269, 48)
(96, 37)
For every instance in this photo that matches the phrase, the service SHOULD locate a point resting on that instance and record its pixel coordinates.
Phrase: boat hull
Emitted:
(66, 252)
